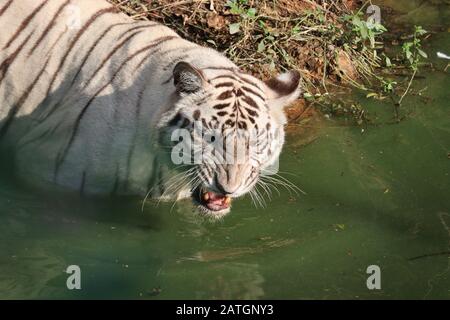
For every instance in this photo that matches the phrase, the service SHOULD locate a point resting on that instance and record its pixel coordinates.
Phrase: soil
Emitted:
(208, 23)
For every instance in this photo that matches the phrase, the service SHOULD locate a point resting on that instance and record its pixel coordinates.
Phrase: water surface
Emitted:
(375, 196)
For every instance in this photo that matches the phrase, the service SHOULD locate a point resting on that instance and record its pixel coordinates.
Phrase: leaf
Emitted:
(420, 31)
(388, 62)
(408, 54)
(234, 7)
(251, 12)
(272, 65)
(261, 46)
(308, 96)
(422, 53)
(235, 27)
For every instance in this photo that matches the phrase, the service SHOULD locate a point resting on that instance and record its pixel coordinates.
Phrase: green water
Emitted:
(377, 197)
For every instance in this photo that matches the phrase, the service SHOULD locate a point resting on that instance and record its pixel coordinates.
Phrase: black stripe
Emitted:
(74, 41)
(24, 24)
(248, 90)
(144, 59)
(201, 175)
(230, 122)
(242, 125)
(5, 7)
(225, 95)
(241, 80)
(196, 115)
(10, 59)
(37, 138)
(221, 106)
(250, 102)
(210, 172)
(204, 175)
(221, 68)
(174, 61)
(203, 100)
(162, 188)
(114, 50)
(46, 133)
(264, 146)
(226, 76)
(224, 84)
(94, 45)
(152, 177)
(250, 82)
(205, 124)
(47, 98)
(56, 42)
(166, 81)
(49, 26)
(254, 177)
(137, 28)
(137, 113)
(62, 155)
(18, 105)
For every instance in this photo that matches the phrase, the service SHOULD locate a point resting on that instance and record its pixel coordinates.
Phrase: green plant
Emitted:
(413, 53)
(413, 49)
(240, 7)
(388, 85)
(333, 47)
(336, 107)
(365, 30)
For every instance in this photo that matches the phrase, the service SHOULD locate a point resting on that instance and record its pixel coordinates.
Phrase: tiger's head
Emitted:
(226, 131)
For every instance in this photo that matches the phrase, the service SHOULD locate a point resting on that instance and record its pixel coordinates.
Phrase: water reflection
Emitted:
(246, 281)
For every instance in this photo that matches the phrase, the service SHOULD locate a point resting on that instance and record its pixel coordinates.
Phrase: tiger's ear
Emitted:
(187, 78)
(283, 89)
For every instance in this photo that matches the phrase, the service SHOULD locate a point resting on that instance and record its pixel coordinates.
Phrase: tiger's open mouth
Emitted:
(212, 201)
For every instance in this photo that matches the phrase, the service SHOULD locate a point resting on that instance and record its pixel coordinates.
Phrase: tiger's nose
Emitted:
(225, 185)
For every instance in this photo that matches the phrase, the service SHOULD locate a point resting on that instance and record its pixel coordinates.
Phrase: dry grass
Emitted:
(273, 36)
(267, 37)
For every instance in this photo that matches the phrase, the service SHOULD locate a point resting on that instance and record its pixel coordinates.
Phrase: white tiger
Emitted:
(88, 96)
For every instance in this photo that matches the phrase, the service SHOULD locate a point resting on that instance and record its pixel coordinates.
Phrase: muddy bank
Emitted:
(263, 37)
(268, 37)
(334, 45)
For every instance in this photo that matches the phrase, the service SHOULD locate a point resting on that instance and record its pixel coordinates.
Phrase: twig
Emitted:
(407, 89)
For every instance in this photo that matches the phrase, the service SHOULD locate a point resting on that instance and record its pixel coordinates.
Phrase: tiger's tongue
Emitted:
(216, 201)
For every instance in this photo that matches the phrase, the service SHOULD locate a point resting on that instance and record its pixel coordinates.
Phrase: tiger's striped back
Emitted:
(82, 86)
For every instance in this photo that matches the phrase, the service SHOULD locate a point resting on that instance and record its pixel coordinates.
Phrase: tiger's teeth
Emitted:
(206, 196)
(227, 200)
